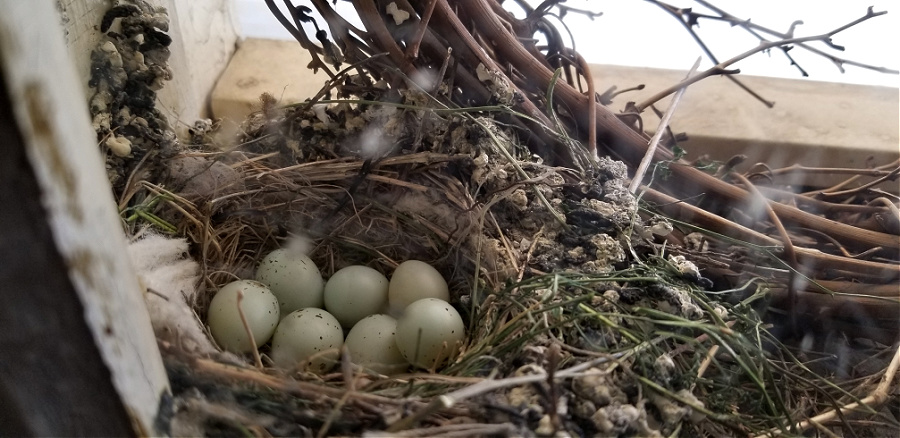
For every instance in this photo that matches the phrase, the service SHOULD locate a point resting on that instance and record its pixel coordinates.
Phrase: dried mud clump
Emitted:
(128, 67)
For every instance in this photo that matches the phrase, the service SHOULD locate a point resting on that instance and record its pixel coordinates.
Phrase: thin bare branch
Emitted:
(678, 14)
(763, 46)
(750, 26)
(660, 130)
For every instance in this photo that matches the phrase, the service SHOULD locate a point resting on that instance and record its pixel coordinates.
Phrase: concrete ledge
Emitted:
(813, 123)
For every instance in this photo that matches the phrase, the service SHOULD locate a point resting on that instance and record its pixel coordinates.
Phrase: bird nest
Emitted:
(590, 308)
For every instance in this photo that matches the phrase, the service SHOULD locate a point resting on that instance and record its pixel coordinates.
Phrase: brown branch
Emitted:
(813, 259)
(818, 205)
(789, 251)
(413, 49)
(890, 176)
(850, 180)
(690, 80)
(798, 169)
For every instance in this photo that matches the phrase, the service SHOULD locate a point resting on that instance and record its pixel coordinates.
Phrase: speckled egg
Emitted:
(429, 332)
(293, 278)
(372, 346)
(260, 308)
(308, 339)
(414, 280)
(354, 293)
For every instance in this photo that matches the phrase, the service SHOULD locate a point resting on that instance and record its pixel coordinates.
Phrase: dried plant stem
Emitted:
(256, 359)
(488, 385)
(660, 131)
(868, 404)
(874, 271)
(789, 251)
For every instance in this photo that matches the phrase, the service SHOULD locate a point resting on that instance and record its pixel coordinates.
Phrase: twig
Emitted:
(874, 400)
(256, 359)
(715, 70)
(660, 130)
(413, 49)
(853, 178)
(763, 46)
(747, 24)
(789, 250)
(676, 12)
(813, 204)
(891, 176)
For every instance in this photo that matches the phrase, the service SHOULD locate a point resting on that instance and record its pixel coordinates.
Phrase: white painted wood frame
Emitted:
(50, 109)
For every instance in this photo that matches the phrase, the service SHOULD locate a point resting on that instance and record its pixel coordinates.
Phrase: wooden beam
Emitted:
(77, 353)
(53, 381)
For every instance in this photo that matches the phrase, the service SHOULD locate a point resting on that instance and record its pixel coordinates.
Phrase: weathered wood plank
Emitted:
(53, 381)
(64, 253)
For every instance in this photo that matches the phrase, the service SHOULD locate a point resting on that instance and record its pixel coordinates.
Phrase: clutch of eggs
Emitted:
(314, 315)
